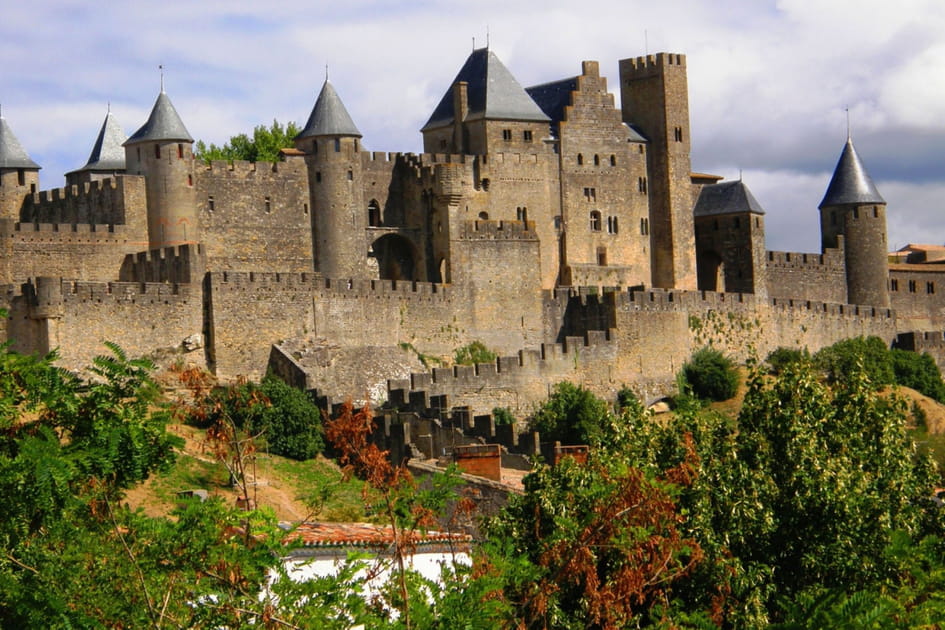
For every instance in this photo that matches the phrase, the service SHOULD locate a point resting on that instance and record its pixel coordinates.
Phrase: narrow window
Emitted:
(557, 221)
(930, 288)
(580, 159)
(350, 176)
(590, 194)
(485, 184)
(138, 150)
(268, 205)
(180, 152)
(521, 214)
(875, 212)
(314, 146)
(157, 151)
(506, 134)
(211, 204)
(318, 176)
(20, 177)
(613, 160)
(893, 285)
(757, 222)
(305, 208)
(912, 286)
(602, 256)
(640, 148)
(595, 221)
(856, 213)
(596, 160)
(641, 185)
(190, 179)
(527, 135)
(611, 225)
(374, 213)
(337, 145)
(645, 226)
(677, 132)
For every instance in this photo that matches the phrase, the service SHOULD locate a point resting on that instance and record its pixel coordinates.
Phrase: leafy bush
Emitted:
(782, 357)
(919, 372)
(502, 415)
(711, 375)
(871, 354)
(292, 423)
(571, 415)
(473, 353)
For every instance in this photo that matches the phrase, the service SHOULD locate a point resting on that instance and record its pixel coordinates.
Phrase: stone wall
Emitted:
(809, 276)
(917, 293)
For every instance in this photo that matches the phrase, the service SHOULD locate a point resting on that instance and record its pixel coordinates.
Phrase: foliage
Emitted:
(502, 416)
(264, 146)
(859, 355)
(919, 372)
(597, 545)
(473, 353)
(781, 357)
(711, 375)
(571, 415)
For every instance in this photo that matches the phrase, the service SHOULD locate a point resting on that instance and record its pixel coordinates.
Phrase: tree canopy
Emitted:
(263, 146)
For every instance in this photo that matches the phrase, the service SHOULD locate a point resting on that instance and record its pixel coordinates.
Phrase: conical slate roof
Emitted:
(163, 124)
(108, 154)
(492, 91)
(850, 183)
(329, 116)
(12, 153)
(726, 198)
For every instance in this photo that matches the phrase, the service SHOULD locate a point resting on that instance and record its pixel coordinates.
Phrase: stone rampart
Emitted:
(178, 264)
(812, 276)
(115, 201)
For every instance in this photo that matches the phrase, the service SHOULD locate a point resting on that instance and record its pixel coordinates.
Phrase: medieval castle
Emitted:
(570, 236)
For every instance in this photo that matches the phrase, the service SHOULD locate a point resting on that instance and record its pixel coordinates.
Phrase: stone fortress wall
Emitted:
(545, 246)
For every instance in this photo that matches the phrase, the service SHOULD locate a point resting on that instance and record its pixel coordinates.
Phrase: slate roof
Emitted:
(726, 198)
(329, 116)
(850, 182)
(108, 154)
(553, 97)
(12, 153)
(492, 92)
(163, 124)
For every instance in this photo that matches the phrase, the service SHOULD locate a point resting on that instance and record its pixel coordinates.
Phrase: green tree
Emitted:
(919, 372)
(711, 375)
(571, 415)
(473, 353)
(264, 146)
(859, 355)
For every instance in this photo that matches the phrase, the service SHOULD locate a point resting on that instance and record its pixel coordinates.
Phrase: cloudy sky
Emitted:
(769, 80)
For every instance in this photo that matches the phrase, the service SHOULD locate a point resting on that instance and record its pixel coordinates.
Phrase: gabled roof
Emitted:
(850, 182)
(163, 124)
(108, 154)
(492, 92)
(12, 153)
(329, 116)
(726, 198)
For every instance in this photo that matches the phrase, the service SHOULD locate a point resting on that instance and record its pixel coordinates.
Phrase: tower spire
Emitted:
(161, 70)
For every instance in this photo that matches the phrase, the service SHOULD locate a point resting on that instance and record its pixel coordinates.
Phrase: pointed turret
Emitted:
(108, 154)
(332, 146)
(850, 182)
(484, 107)
(853, 218)
(329, 117)
(163, 125)
(19, 174)
(162, 151)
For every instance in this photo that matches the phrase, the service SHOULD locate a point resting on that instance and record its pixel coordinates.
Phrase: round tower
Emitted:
(332, 147)
(853, 218)
(19, 175)
(162, 151)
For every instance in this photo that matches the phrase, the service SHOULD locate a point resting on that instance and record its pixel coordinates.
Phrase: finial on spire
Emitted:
(847, 109)
(487, 35)
(326, 73)
(474, 42)
(739, 174)
(161, 70)
(108, 107)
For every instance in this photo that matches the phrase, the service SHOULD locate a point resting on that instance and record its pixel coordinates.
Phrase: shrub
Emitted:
(919, 372)
(571, 415)
(472, 353)
(711, 375)
(867, 355)
(502, 415)
(781, 357)
(292, 424)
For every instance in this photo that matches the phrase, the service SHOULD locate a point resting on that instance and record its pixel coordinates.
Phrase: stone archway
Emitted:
(711, 272)
(395, 258)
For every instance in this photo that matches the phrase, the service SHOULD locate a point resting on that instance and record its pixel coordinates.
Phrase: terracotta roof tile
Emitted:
(318, 534)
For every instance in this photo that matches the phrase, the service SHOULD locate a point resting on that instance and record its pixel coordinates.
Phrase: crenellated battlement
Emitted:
(489, 230)
(831, 259)
(96, 187)
(244, 169)
(108, 201)
(178, 264)
(251, 281)
(647, 64)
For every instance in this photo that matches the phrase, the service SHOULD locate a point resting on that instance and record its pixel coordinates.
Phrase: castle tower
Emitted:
(853, 217)
(162, 151)
(486, 110)
(19, 175)
(332, 146)
(654, 96)
(108, 155)
(730, 240)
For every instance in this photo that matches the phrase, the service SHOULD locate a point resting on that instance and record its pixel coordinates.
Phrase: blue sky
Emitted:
(769, 81)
